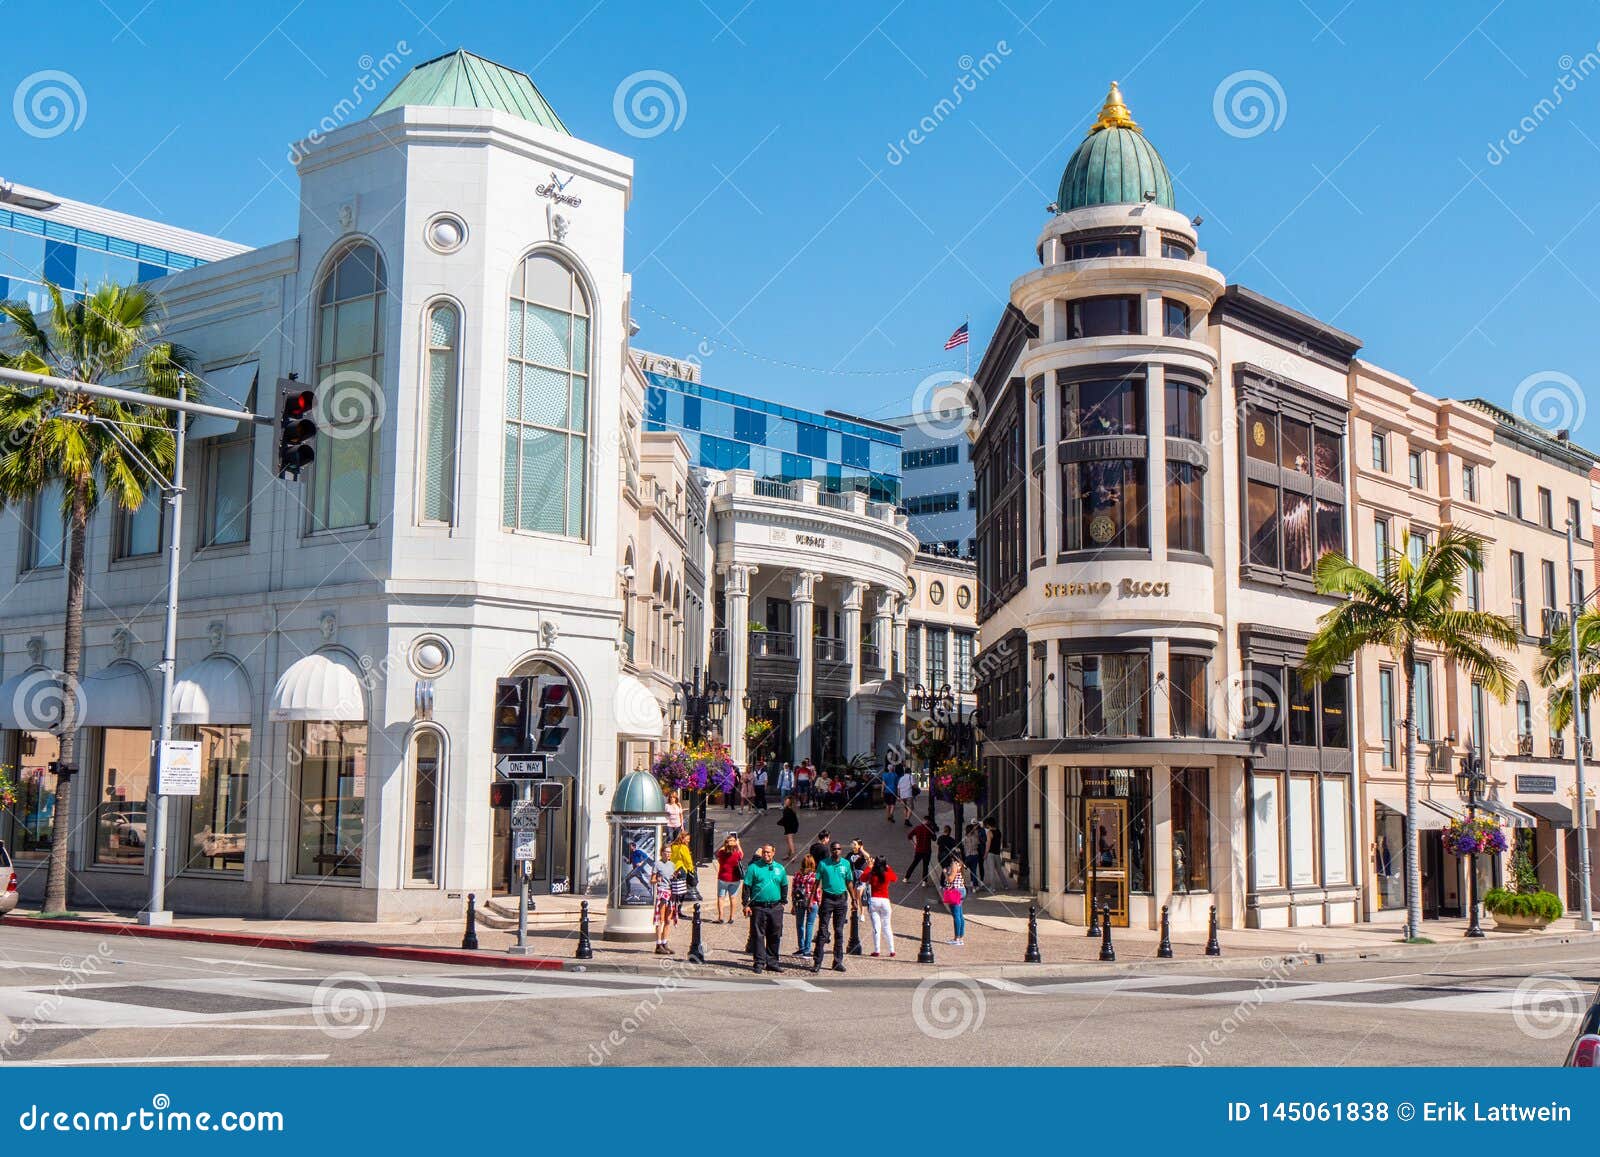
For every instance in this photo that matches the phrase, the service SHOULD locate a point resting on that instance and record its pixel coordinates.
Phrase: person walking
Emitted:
(766, 889)
(789, 824)
(685, 884)
(730, 870)
(785, 780)
(859, 860)
(818, 850)
(747, 786)
(905, 790)
(674, 810)
(921, 838)
(972, 846)
(761, 786)
(835, 877)
(666, 914)
(996, 865)
(890, 779)
(807, 894)
(947, 844)
(879, 876)
(803, 775)
(954, 896)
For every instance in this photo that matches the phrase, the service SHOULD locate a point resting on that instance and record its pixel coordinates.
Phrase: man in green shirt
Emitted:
(766, 890)
(835, 876)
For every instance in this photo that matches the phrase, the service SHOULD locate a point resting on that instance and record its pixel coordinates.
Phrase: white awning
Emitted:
(638, 711)
(212, 691)
(228, 387)
(118, 696)
(320, 686)
(1510, 816)
(31, 701)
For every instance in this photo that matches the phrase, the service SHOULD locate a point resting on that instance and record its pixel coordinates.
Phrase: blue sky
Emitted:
(770, 224)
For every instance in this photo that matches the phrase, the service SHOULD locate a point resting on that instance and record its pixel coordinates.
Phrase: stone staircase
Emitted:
(547, 912)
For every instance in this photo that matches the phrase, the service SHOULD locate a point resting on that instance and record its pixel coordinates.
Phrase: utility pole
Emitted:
(1580, 827)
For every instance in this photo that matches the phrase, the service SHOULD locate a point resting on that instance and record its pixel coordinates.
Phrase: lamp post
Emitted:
(955, 726)
(1575, 604)
(699, 708)
(1470, 782)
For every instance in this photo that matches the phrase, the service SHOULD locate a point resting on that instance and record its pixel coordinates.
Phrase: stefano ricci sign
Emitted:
(556, 190)
(1127, 588)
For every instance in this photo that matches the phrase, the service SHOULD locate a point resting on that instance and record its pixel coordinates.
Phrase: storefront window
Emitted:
(32, 818)
(1104, 504)
(122, 804)
(1302, 711)
(1191, 829)
(349, 377)
(1103, 317)
(217, 815)
(1111, 850)
(1336, 829)
(1099, 408)
(1266, 808)
(1188, 689)
(1389, 842)
(1186, 517)
(1303, 829)
(332, 789)
(1294, 490)
(1335, 712)
(1106, 694)
(426, 772)
(1185, 409)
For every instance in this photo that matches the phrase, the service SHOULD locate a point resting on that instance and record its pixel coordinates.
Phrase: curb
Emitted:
(302, 944)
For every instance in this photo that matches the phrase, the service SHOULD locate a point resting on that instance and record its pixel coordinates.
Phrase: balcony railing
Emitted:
(767, 488)
(627, 643)
(869, 655)
(1558, 746)
(828, 650)
(837, 501)
(776, 644)
(1525, 744)
(719, 640)
(1552, 623)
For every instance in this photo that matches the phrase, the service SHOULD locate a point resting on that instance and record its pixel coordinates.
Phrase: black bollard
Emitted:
(925, 953)
(1164, 949)
(697, 948)
(1094, 920)
(470, 940)
(1213, 947)
(750, 942)
(854, 947)
(585, 949)
(1106, 951)
(1031, 956)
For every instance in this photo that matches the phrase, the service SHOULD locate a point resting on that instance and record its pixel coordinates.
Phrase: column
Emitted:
(736, 589)
(1053, 692)
(853, 594)
(882, 626)
(900, 605)
(802, 596)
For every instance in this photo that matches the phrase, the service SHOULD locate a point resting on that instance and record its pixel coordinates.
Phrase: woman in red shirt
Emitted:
(730, 871)
(879, 876)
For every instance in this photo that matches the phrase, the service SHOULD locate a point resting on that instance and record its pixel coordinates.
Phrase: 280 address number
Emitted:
(1296, 1111)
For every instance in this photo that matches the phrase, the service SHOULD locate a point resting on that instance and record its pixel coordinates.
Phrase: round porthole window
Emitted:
(936, 593)
(911, 585)
(430, 656)
(445, 233)
(963, 597)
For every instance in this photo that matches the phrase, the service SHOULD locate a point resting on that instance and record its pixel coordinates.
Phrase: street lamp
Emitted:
(954, 725)
(1575, 604)
(699, 707)
(1470, 782)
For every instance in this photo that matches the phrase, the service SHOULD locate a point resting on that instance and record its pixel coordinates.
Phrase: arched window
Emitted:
(443, 369)
(547, 400)
(427, 777)
(1524, 720)
(349, 385)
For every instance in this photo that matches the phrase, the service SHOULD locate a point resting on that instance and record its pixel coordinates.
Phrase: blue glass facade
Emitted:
(34, 250)
(728, 431)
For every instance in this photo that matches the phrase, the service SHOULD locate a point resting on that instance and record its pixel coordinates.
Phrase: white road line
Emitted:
(246, 963)
(800, 985)
(1007, 985)
(243, 1058)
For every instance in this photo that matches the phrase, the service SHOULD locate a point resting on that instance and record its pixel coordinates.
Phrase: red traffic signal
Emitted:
(554, 705)
(296, 427)
(511, 715)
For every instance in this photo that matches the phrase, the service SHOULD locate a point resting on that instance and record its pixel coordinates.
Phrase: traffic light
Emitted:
(501, 793)
(554, 703)
(511, 698)
(296, 428)
(548, 794)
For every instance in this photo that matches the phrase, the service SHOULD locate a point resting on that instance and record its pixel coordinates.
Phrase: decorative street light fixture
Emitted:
(954, 727)
(699, 708)
(1470, 782)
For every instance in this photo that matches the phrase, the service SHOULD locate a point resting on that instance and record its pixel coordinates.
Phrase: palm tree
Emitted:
(110, 337)
(1555, 669)
(1409, 603)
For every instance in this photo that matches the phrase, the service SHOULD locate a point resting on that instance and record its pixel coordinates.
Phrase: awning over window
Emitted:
(320, 686)
(118, 696)
(229, 387)
(1557, 815)
(1509, 816)
(212, 691)
(638, 711)
(31, 701)
(1433, 815)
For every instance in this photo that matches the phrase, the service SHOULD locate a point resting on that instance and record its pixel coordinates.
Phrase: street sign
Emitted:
(522, 846)
(524, 816)
(522, 766)
(178, 767)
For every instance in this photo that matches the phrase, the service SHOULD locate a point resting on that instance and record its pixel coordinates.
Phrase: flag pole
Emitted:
(968, 344)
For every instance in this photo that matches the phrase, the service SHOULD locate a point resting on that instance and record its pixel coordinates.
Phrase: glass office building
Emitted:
(728, 431)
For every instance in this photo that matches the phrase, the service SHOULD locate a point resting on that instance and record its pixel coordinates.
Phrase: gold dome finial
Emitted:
(1114, 114)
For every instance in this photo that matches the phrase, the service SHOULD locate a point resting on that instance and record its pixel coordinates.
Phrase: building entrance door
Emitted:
(1106, 853)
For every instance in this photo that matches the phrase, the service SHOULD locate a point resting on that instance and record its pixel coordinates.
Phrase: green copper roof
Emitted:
(1115, 164)
(638, 793)
(460, 79)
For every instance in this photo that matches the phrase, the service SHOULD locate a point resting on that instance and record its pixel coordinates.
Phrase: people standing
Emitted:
(921, 838)
(835, 877)
(789, 824)
(747, 786)
(879, 877)
(766, 889)
(685, 885)
(761, 786)
(807, 894)
(973, 841)
(905, 790)
(947, 845)
(995, 865)
(785, 780)
(954, 896)
(890, 779)
(803, 776)
(730, 870)
(666, 914)
(859, 860)
(818, 850)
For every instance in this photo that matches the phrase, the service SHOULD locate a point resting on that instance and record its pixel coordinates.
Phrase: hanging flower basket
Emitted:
(696, 767)
(1474, 837)
(757, 730)
(960, 780)
(8, 788)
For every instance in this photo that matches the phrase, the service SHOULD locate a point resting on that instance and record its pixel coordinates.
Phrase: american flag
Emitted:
(959, 338)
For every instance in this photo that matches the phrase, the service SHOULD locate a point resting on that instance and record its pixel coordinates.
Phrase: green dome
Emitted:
(1115, 164)
(638, 793)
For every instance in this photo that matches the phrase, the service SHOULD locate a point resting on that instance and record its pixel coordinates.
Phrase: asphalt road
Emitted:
(66, 998)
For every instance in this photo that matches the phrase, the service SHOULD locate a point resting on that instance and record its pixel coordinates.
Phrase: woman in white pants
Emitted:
(879, 876)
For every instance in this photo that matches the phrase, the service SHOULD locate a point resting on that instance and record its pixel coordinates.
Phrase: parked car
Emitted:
(8, 881)
(1585, 1051)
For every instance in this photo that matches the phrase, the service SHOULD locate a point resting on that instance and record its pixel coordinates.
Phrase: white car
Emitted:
(8, 881)
(1585, 1051)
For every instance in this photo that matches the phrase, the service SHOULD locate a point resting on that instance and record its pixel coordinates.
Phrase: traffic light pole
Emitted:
(1581, 827)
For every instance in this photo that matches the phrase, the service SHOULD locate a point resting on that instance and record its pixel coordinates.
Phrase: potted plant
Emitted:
(1522, 911)
(960, 780)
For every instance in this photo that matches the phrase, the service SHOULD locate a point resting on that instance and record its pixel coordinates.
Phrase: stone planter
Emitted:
(1506, 922)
